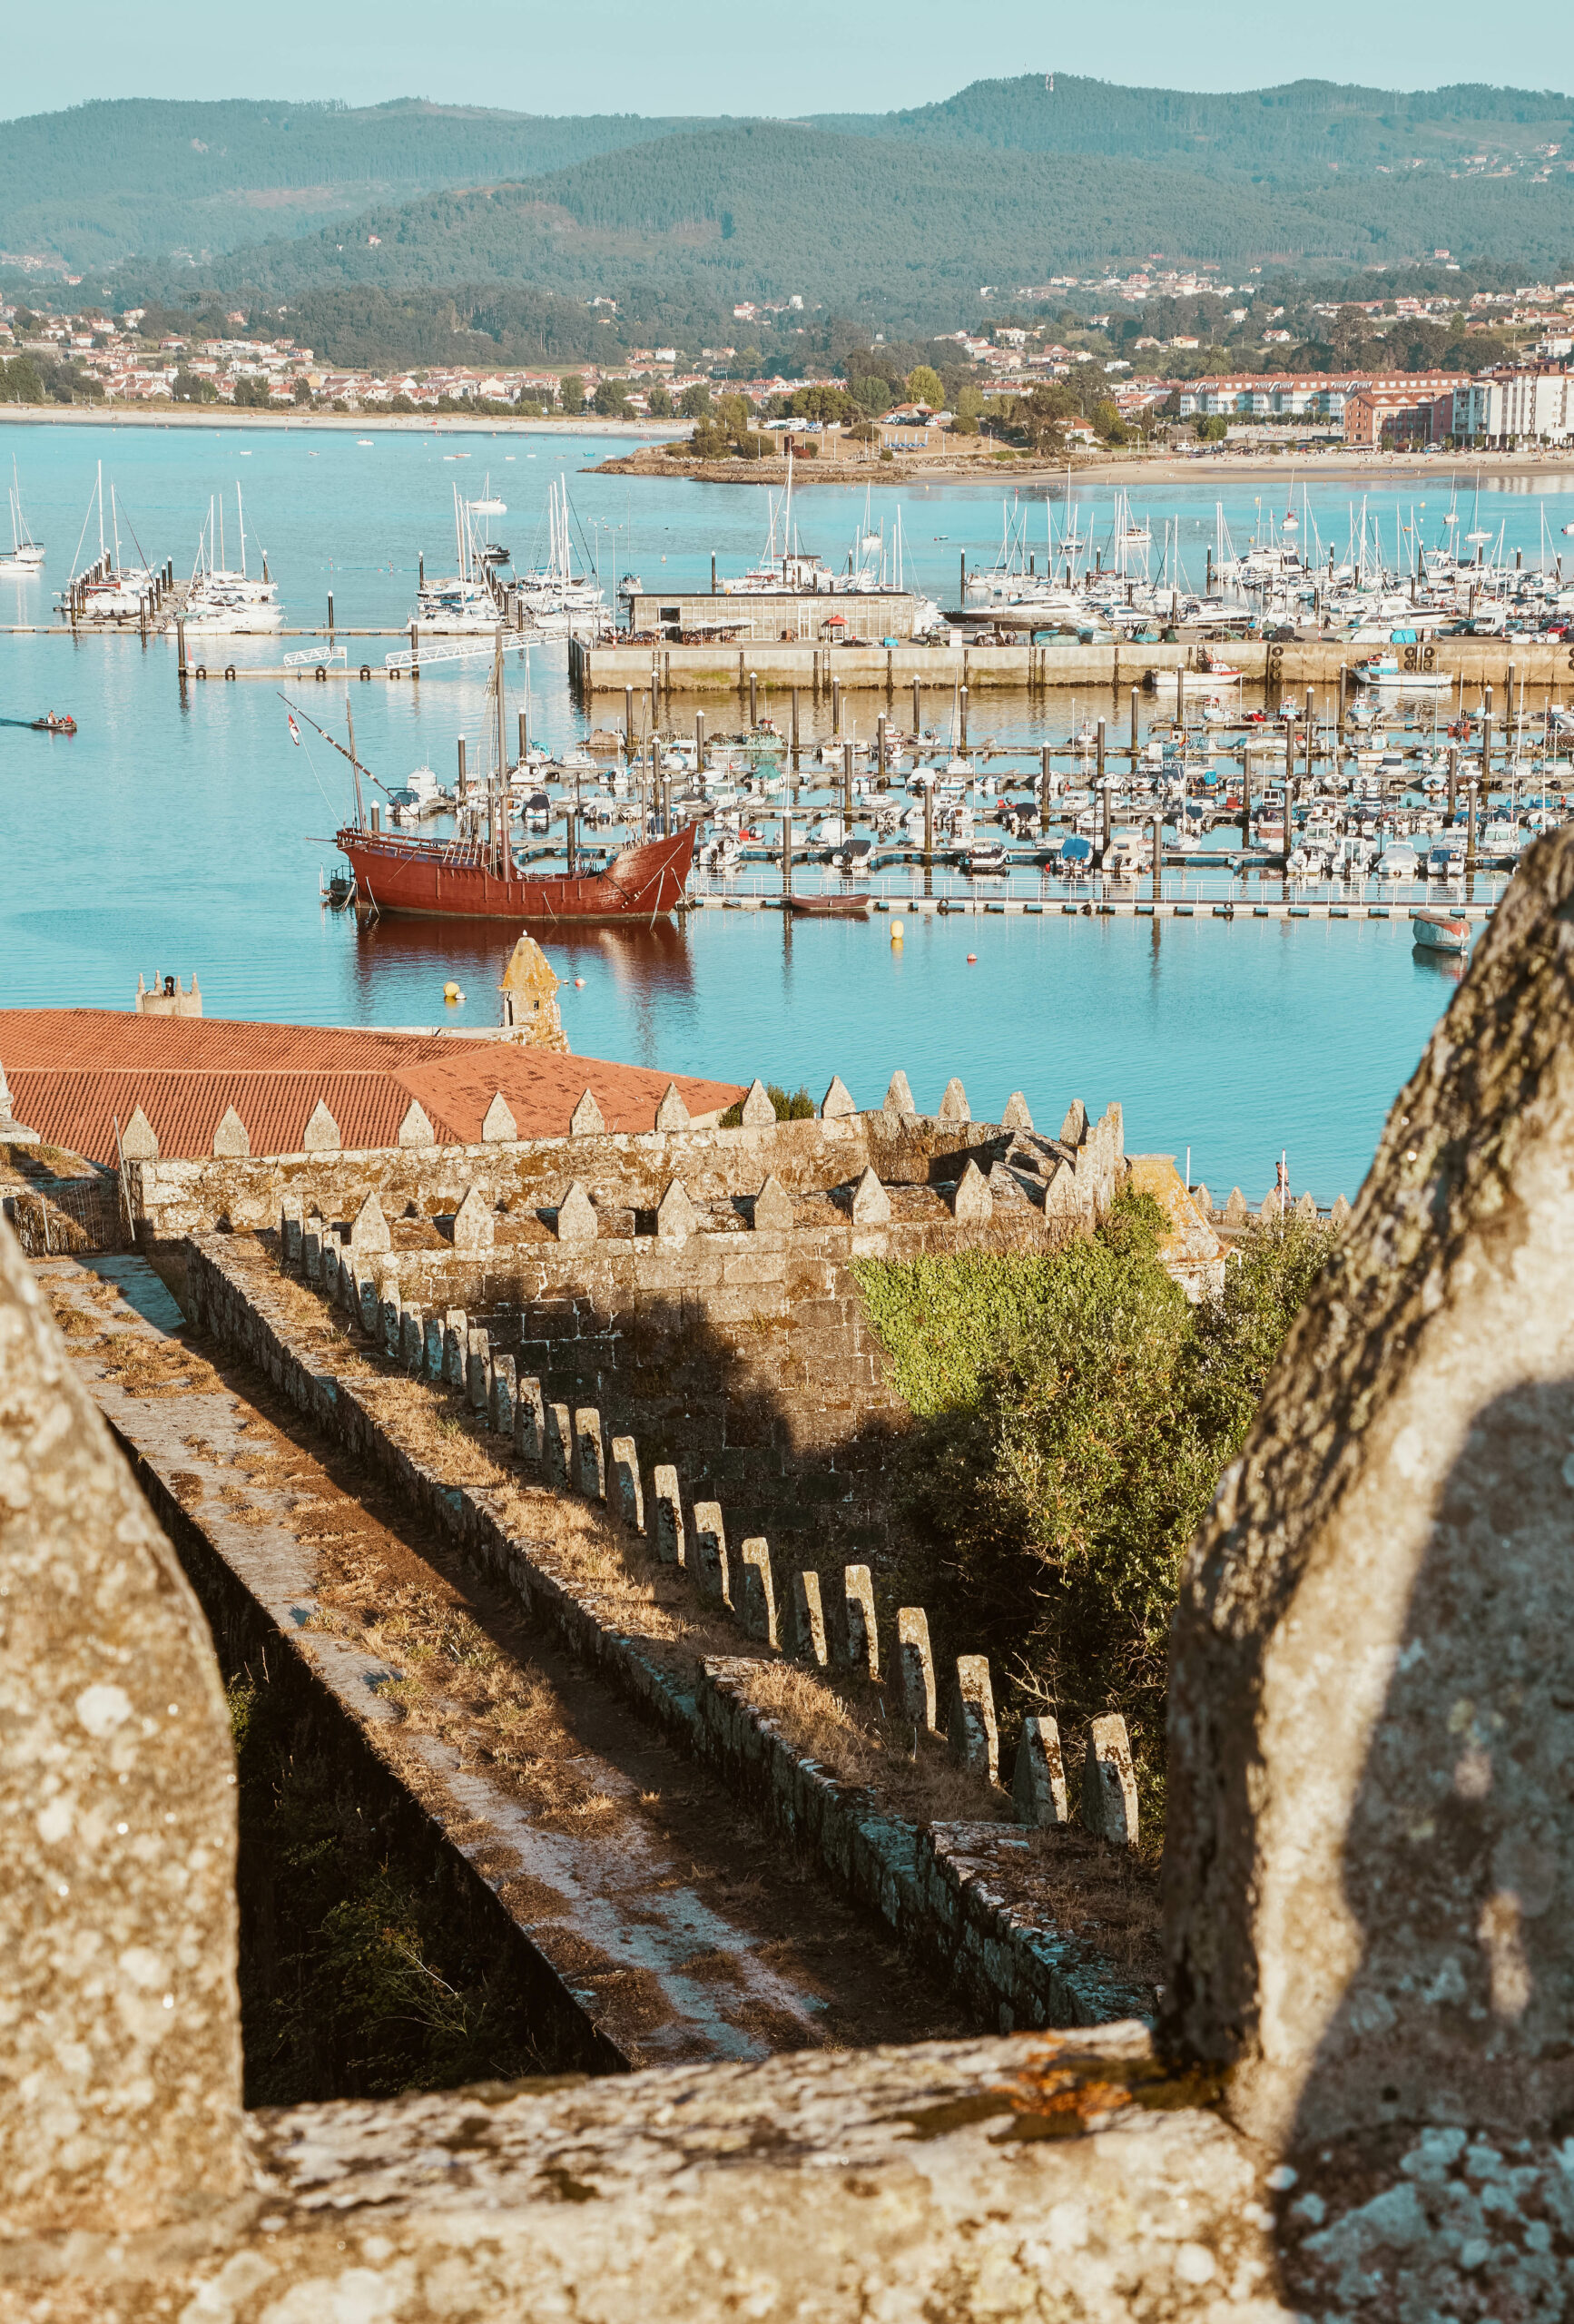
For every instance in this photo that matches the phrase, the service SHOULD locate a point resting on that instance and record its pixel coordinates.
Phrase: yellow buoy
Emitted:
(897, 932)
(451, 993)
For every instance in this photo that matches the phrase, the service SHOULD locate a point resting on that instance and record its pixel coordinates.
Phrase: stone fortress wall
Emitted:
(1356, 2102)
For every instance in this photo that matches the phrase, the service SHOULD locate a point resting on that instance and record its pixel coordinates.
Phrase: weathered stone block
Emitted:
(806, 1619)
(915, 1669)
(625, 1491)
(837, 1101)
(709, 1560)
(585, 1121)
(773, 1211)
(1109, 1782)
(590, 1459)
(758, 1609)
(456, 1347)
(390, 1323)
(498, 1127)
(370, 1303)
(370, 1229)
(676, 1217)
(416, 1128)
(559, 1444)
(529, 1419)
(870, 1203)
(478, 1367)
(971, 1732)
(289, 1236)
(861, 1639)
(504, 1395)
(1369, 1850)
(898, 1097)
(1039, 1779)
(1017, 1115)
(670, 1546)
(412, 1338)
(312, 1250)
(475, 1222)
(432, 1348)
(972, 1204)
(954, 1107)
(672, 1114)
(577, 1220)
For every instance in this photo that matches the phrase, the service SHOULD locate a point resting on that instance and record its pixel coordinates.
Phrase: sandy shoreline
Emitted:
(1343, 466)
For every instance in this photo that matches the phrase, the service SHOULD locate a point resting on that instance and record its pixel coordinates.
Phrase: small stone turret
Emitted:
(167, 997)
(529, 990)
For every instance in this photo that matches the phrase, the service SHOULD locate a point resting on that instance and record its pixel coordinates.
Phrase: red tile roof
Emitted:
(73, 1071)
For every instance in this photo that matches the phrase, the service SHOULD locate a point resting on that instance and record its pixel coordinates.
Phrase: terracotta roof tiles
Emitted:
(74, 1070)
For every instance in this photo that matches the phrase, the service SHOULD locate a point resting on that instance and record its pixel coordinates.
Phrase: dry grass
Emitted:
(858, 1737)
(452, 1681)
(1108, 1897)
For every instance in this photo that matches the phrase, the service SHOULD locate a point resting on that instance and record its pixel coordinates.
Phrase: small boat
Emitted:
(54, 723)
(26, 555)
(1440, 931)
(829, 907)
(1383, 670)
(991, 862)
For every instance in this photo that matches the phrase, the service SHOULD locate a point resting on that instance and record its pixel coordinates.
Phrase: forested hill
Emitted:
(903, 215)
(1299, 131)
(907, 233)
(94, 185)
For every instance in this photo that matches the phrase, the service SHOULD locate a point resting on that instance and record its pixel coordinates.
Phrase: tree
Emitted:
(21, 381)
(658, 403)
(734, 412)
(401, 403)
(251, 395)
(1108, 422)
(610, 400)
(1213, 430)
(302, 391)
(924, 385)
(571, 392)
(694, 402)
(873, 393)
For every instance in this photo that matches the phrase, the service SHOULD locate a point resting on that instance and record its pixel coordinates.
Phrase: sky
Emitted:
(691, 56)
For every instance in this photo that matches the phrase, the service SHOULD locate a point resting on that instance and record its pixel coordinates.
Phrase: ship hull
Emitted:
(451, 879)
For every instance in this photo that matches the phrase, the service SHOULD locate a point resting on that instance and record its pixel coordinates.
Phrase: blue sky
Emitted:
(695, 57)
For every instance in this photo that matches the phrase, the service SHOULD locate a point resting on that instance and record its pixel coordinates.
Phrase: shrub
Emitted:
(1073, 1414)
(797, 1108)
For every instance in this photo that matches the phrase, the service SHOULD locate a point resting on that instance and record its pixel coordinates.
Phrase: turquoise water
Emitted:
(167, 837)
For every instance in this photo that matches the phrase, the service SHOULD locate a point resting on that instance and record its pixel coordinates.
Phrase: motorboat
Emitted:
(1440, 931)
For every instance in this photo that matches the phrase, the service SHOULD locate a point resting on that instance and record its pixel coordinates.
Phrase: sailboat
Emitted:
(26, 554)
(478, 878)
(108, 590)
(223, 602)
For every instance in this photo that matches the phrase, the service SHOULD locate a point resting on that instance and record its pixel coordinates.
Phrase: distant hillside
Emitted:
(95, 185)
(901, 217)
(908, 232)
(1301, 131)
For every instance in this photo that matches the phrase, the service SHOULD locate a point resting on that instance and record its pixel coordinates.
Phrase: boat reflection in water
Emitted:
(649, 961)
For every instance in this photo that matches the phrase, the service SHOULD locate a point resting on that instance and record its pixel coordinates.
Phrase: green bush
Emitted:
(1074, 1415)
(797, 1108)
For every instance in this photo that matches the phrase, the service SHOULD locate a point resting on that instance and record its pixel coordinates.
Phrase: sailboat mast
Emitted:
(500, 811)
(101, 508)
(240, 515)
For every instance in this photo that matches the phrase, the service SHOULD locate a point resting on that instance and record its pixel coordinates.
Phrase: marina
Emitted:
(1248, 972)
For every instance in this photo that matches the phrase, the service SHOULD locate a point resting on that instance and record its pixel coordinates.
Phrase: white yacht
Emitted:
(224, 601)
(26, 554)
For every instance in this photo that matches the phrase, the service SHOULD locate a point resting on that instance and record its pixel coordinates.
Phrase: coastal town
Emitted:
(1133, 386)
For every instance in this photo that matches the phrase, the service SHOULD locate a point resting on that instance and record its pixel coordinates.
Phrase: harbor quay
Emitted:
(1470, 662)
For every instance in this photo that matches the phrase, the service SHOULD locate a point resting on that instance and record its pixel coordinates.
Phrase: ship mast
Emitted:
(500, 815)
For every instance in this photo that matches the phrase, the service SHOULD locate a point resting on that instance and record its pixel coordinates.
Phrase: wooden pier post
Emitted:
(787, 849)
(331, 616)
(917, 717)
(929, 822)
(1103, 791)
(1134, 743)
(846, 787)
(1454, 784)
(880, 744)
(962, 718)
(700, 742)
(795, 730)
(628, 723)
(414, 651)
(1470, 828)
(181, 648)
(463, 793)
(1157, 857)
(836, 705)
(1044, 787)
(1180, 701)
(753, 701)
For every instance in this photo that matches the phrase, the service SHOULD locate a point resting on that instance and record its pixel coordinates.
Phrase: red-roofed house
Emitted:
(74, 1073)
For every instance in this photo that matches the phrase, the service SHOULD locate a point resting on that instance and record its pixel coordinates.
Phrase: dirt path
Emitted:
(682, 1929)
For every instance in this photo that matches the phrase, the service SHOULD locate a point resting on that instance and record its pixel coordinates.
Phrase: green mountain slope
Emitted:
(1294, 132)
(907, 231)
(90, 186)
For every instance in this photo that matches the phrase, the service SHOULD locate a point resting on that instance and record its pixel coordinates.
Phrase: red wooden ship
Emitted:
(474, 879)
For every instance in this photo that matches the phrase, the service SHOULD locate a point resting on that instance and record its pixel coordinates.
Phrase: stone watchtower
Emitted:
(166, 996)
(529, 990)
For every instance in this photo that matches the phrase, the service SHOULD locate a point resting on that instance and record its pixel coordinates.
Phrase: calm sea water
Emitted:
(168, 837)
